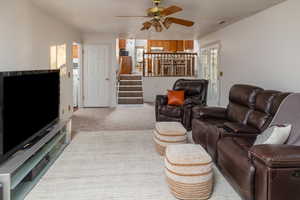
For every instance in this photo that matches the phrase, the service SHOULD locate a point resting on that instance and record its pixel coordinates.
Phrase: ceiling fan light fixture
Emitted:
(158, 27)
(167, 23)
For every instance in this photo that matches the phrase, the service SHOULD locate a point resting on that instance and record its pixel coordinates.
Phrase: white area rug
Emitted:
(113, 165)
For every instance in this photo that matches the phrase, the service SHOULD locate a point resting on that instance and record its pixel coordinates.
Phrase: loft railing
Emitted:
(169, 64)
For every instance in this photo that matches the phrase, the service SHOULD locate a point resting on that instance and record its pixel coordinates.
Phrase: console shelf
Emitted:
(14, 170)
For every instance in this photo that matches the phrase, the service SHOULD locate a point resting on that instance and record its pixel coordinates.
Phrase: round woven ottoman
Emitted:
(168, 133)
(189, 172)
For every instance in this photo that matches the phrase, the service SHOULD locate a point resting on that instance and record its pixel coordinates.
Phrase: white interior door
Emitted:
(96, 76)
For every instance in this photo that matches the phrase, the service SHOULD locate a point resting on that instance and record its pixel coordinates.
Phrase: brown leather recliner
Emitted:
(229, 133)
(195, 94)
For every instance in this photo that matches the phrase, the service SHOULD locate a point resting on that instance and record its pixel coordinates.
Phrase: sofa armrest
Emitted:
(194, 101)
(161, 100)
(276, 155)
(200, 112)
(241, 128)
(243, 135)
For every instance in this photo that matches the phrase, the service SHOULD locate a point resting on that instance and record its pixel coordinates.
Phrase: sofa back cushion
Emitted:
(242, 99)
(244, 95)
(261, 115)
(192, 87)
(237, 113)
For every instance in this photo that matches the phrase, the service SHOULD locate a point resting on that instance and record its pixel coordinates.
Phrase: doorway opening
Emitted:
(76, 61)
(210, 62)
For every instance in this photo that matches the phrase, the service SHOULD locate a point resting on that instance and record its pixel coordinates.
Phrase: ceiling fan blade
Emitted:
(146, 26)
(179, 21)
(170, 10)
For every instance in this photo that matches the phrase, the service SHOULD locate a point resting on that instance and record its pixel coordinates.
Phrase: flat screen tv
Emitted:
(29, 105)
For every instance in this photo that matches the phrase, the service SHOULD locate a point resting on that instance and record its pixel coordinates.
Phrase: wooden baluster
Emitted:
(161, 65)
(158, 64)
(165, 64)
(144, 64)
(184, 63)
(190, 65)
(155, 64)
(194, 64)
(174, 65)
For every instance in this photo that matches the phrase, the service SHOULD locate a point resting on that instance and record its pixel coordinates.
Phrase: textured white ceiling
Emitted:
(91, 16)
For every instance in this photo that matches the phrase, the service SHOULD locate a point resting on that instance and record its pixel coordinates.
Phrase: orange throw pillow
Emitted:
(175, 98)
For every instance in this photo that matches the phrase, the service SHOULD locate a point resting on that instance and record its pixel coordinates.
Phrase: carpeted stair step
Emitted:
(130, 88)
(130, 94)
(131, 82)
(130, 77)
(130, 100)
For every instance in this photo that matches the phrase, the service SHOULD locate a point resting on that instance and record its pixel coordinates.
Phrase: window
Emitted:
(58, 58)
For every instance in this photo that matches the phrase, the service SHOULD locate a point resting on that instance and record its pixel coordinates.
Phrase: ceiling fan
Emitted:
(160, 17)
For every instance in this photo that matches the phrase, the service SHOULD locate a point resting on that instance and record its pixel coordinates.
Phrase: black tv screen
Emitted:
(29, 104)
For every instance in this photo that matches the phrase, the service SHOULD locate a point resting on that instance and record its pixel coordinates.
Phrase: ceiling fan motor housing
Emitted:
(156, 1)
(152, 12)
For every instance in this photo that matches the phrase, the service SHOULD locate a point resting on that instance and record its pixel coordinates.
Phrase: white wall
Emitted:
(262, 50)
(141, 43)
(110, 39)
(157, 86)
(26, 34)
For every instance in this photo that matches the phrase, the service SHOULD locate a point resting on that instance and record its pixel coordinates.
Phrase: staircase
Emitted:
(130, 89)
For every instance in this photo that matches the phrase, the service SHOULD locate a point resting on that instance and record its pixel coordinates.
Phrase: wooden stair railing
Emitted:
(169, 64)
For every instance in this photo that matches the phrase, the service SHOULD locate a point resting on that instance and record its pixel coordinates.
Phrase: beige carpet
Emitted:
(137, 117)
(112, 165)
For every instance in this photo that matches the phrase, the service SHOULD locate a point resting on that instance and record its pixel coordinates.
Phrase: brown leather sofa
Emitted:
(228, 135)
(195, 94)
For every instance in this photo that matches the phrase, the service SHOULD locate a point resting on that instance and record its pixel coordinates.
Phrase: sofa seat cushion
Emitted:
(201, 112)
(243, 143)
(215, 121)
(171, 111)
(241, 128)
(233, 162)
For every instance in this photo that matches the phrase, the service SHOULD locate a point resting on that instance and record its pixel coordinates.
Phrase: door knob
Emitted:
(107, 79)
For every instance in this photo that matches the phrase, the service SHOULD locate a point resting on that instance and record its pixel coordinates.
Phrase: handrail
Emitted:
(167, 53)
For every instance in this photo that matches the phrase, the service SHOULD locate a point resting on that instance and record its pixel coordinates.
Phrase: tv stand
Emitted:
(13, 172)
(35, 140)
